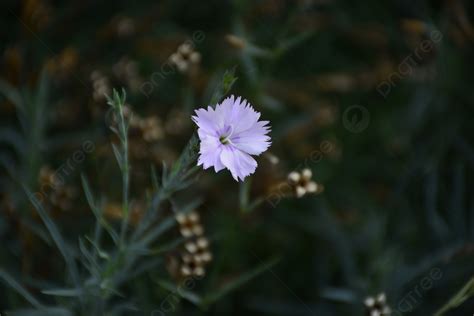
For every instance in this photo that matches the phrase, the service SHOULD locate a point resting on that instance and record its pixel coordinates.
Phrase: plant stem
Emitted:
(125, 174)
(118, 102)
(459, 298)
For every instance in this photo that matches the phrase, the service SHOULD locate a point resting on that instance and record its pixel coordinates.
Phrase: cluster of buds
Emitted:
(196, 253)
(190, 224)
(273, 159)
(60, 195)
(36, 14)
(149, 127)
(47, 177)
(125, 26)
(63, 197)
(302, 184)
(186, 58)
(63, 64)
(127, 70)
(235, 41)
(195, 257)
(377, 306)
(176, 122)
(114, 211)
(101, 86)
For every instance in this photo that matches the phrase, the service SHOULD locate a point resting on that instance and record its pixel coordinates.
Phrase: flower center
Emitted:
(224, 140)
(225, 137)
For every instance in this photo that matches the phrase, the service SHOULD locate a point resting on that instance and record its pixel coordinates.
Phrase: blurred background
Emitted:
(364, 202)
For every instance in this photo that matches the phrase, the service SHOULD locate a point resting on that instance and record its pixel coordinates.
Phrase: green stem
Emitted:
(118, 102)
(125, 175)
(125, 195)
(459, 298)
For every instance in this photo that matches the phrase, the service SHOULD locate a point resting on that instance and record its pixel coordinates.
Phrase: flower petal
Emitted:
(206, 121)
(239, 163)
(209, 152)
(253, 141)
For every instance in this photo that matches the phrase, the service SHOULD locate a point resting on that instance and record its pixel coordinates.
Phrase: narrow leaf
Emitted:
(179, 291)
(64, 292)
(47, 311)
(118, 156)
(57, 238)
(9, 280)
(97, 211)
(238, 282)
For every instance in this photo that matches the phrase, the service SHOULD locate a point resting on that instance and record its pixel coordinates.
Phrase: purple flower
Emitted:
(229, 135)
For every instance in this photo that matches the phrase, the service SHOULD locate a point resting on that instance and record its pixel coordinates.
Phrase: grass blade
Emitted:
(236, 283)
(179, 291)
(49, 311)
(98, 213)
(57, 238)
(9, 280)
(64, 292)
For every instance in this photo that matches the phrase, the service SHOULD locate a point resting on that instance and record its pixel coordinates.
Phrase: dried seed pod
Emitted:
(52, 185)
(306, 174)
(294, 177)
(195, 254)
(377, 306)
(151, 129)
(191, 265)
(274, 160)
(127, 71)
(186, 59)
(302, 183)
(235, 41)
(190, 224)
(101, 86)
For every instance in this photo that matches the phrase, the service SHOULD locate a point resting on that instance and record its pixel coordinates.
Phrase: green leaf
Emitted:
(88, 260)
(38, 229)
(12, 94)
(57, 237)
(238, 282)
(460, 297)
(154, 179)
(143, 267)
(435, 221)
(244, 192)
(9, 280)
(167, 247)
(41, 99)
(7, 163)
(98, 211)
(228, 80)
(64, 292)
(340, 295)
(118, 156)
(164, 174)
(47, 311)
(181, 291)
(13, 139)
(102, 254)
(159, 230)
(286, 45)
